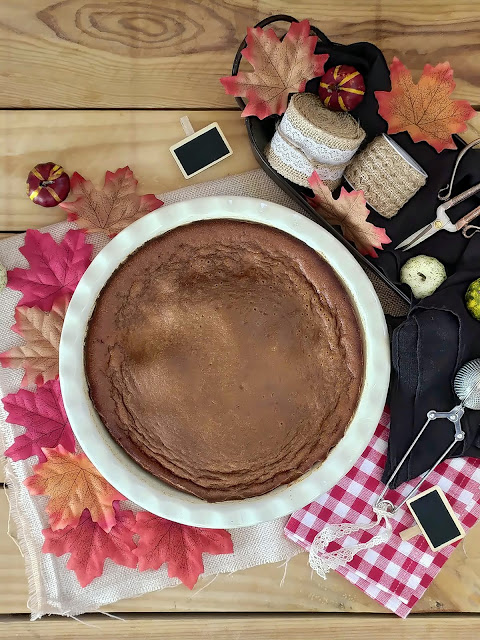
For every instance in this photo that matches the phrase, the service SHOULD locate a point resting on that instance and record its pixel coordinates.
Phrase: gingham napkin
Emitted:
(396, 573)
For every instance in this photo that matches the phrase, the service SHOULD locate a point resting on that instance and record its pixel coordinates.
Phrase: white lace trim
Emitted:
(295, 159)
(314, 150)
(323, 562)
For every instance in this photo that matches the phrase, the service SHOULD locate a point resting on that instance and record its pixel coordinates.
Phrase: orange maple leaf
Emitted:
(425, 110)
(350, 213)
(41, 330)
(110, 209)
(280, 67)
(73, 484)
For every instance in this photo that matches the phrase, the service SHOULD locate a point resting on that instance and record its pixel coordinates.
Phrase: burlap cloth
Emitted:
(53, 588)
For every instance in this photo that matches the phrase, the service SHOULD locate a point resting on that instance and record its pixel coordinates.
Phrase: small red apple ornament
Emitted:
(48, 184)
(341, 88)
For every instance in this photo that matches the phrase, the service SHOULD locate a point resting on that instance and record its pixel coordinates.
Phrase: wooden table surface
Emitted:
(96, 85)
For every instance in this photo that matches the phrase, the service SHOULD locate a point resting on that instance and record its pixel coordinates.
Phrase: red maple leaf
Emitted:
(349, 211)
(280, 67)
(73, 485)
(425, 110)
(43, 415)
(177, 544)
(90, 546)
(55, 269)
(111, 209)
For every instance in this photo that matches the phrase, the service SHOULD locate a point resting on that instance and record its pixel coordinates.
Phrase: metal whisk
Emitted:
(467, 387)
(467, 384)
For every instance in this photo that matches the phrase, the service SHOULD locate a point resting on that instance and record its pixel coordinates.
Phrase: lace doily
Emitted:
(386, 175)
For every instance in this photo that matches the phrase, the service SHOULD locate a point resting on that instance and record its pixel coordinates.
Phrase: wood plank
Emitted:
(473, 130)
(456, 589)
(91, 142)
(75, 53)
(267, 627)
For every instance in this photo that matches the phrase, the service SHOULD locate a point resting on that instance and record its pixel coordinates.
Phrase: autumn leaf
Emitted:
(89, 545)
(280, 67)
(177, 544)
(73, 485)
(39, 356)
(111, 209)
(55, 269)
(349, 212)
(43, 415)
(425, 110)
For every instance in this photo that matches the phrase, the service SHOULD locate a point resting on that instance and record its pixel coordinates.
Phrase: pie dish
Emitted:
(153, 493)
(225, 357)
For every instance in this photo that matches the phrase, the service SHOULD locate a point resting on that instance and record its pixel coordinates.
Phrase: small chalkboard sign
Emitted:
(435, 519)
(201, 150)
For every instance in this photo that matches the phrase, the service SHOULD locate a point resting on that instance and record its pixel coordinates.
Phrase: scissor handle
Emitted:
(445, 193)
(463, 222)
(462, 196)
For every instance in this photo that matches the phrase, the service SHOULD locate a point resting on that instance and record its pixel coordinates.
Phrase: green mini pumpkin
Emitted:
(472, 299)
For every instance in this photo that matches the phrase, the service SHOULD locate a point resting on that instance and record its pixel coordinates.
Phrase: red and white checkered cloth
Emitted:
(397, 573)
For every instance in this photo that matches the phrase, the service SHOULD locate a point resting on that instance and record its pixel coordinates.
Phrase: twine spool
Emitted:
(312, 138)
(388, 176)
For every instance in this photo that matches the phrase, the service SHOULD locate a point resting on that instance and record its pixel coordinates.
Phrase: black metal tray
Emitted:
(261, 131)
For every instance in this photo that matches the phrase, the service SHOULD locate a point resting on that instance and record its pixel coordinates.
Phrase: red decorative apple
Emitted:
(48, 184)
(341, 88)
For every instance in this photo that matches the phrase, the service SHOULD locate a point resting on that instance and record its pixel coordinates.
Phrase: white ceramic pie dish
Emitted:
(123, 472)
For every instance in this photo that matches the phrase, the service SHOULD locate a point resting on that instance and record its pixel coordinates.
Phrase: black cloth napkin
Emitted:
(438, 335)
(428, 348)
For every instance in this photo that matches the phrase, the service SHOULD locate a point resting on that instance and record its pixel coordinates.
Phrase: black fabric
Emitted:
(428, 348)
(439, 335)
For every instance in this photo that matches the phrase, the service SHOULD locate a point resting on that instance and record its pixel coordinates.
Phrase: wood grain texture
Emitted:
(142, 53)
(473, 130)
(273, 627)
(91, 142)
(259, 589)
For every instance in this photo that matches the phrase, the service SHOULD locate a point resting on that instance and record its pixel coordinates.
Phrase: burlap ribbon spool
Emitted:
(311, 138)
(388, 176)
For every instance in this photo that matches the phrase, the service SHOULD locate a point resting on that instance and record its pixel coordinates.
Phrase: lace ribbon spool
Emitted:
(388, 176)
(311, 138)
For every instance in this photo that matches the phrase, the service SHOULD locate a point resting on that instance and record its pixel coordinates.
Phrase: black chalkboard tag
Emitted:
(201, 149)
(435, 519)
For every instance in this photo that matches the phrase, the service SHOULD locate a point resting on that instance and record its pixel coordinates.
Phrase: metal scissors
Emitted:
(442, 221)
